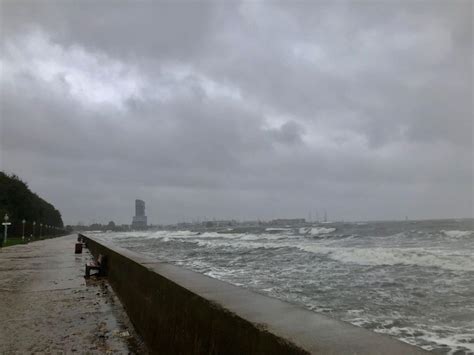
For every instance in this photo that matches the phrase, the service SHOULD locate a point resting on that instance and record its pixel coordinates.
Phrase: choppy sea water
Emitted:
(411, 280)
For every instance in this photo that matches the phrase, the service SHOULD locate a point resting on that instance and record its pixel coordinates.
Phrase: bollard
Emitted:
(78, 249)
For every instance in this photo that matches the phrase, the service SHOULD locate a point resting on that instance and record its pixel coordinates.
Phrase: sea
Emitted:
(412, 280)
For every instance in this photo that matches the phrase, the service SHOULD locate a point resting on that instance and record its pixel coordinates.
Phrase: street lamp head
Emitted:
(6, 218)
(24, 221)
(34, 223)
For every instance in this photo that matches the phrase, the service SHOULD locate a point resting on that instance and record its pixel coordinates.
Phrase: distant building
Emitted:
(288, 221)
(139, 220)
(223, 223)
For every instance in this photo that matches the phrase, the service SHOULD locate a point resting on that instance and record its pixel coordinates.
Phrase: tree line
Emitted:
(20, 203)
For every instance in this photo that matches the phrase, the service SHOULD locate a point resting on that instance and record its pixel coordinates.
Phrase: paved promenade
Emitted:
(47, 306)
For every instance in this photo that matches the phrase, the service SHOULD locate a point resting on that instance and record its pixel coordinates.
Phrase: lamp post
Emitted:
(23, 235)
(41, 229)
(34, 228)
(6, 224)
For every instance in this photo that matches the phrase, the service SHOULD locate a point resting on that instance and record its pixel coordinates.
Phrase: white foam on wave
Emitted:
(321, 230)
(239, 244)
(167, 234)
(456, 339)
(152, 234)
(227, 238)
(215, 240)
(316, 230)
(459, 261)
(263, 237)
(444, 259)
(458, 234)
(125, 235)
(457, 343)
(189, 235)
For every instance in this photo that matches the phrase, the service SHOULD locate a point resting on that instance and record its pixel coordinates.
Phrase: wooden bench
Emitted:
(100, 265)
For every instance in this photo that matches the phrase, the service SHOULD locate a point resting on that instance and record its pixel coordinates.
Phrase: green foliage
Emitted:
(20, 203)
(14, 241)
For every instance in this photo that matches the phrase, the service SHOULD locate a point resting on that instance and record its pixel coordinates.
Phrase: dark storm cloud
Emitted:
(164, 30)
(244, 110)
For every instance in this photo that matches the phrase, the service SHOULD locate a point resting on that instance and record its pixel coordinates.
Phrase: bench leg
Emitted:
(88, 271)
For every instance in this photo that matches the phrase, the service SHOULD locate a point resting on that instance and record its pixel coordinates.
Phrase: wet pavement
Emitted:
(47, 306)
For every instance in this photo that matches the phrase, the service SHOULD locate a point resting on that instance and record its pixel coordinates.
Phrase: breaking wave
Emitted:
(460, 261)
(458, 234)
(316, 230)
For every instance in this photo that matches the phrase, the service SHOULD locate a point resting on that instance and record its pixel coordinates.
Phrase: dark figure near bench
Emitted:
(100, 265)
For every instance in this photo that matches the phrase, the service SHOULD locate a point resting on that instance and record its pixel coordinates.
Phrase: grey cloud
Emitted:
(241, 110)
(289, 133)
(130, 29)
(403, 65)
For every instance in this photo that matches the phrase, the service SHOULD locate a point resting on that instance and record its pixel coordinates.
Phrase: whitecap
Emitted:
(459, 261)
(458, 234)
(316, 230)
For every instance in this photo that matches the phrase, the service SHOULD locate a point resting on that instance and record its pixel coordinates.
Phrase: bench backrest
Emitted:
(101, 259)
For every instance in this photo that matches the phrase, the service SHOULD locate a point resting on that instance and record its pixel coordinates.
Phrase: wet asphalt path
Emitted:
(47, 306)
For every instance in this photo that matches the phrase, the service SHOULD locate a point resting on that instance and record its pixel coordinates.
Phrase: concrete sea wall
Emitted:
(178, 311)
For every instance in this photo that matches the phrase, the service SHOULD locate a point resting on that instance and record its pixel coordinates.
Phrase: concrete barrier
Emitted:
(178, 311)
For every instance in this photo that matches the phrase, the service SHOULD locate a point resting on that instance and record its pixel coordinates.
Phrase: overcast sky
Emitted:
(240, 110)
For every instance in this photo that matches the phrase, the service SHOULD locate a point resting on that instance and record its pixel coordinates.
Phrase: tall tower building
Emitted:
(139, 220)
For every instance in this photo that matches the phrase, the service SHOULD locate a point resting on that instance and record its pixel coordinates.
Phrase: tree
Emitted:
(19, 202)
(111, 225)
